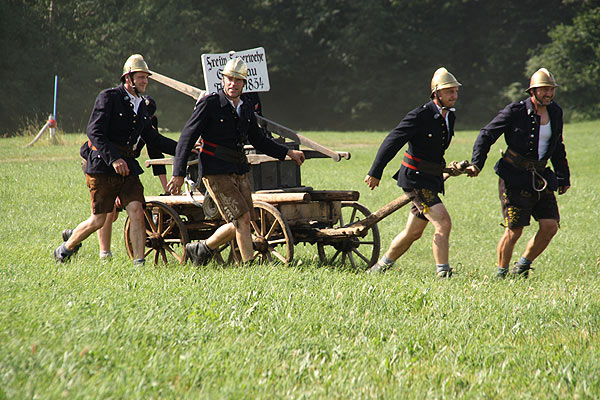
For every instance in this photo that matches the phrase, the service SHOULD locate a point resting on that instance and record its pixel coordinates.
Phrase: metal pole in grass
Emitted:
(51, 123)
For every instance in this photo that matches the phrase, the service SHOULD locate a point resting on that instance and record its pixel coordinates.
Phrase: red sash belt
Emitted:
(223, 153)
(418, 164)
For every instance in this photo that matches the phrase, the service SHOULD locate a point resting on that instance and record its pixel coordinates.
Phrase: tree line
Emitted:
(333, 64)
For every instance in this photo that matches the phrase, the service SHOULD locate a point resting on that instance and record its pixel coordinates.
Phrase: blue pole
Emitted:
(55, 89)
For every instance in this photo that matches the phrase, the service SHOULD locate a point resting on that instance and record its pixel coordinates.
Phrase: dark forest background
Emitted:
(333, 64)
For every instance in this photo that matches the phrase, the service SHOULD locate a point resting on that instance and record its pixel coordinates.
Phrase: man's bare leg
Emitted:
(506, 245)
(411, 233)
(73, 238)
(243, 235)
(201, 252)
(137, 227)
(537, 244)
(223, 234)
(85, 229)
(105, 234)
(440, 219)
(401, 243)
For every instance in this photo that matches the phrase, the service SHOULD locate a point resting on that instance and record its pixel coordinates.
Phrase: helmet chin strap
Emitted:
(538, 102)
(130, 73)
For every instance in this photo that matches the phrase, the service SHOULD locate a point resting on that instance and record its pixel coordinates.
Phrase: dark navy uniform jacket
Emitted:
(425, 131)
(153, 152)
(521, 128)
(113, 124)
(254, 100)
(216, 121)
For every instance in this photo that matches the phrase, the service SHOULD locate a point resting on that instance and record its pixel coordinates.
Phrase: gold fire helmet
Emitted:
(236, 68)
(135, 63)
(443, 79)
(540, 78)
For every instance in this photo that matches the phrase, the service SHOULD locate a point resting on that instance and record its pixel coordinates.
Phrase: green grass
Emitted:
(89, 329)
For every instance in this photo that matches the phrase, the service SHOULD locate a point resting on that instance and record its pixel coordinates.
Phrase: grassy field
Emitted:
(89, 329)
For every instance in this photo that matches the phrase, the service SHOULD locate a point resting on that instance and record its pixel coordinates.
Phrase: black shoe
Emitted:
(139, 263)
(520, 271)
(501, 273)
(62, 254)
(445, 273)
(378, 268)
(66, 235)
(198, 252)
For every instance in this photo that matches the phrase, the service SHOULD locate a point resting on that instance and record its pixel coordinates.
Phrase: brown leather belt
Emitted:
(421, 165)
(538, 182)
(523, 163)
(124, 150)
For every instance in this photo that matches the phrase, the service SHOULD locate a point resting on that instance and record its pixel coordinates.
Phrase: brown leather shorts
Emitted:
(422, 200)
(104, 190)
(518, 205)
(232, 194)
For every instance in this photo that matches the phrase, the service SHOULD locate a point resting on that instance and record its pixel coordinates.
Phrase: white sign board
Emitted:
(255, 59)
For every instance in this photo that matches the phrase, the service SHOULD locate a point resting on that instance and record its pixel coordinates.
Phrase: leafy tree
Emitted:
(573, 56)
(333, 64)
(25, 53)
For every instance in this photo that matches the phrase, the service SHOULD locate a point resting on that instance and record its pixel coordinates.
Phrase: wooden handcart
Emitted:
(287, 213)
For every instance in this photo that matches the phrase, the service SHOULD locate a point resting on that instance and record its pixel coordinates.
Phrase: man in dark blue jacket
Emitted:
(225, 122)
(532, 129)
(428, 131)
(118, 125)
(105, 233)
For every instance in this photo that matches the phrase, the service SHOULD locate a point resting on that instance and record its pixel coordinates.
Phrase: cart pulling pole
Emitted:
(293, 135)
(252, 158)
(184, 88)
(359, 228)
(281, 130)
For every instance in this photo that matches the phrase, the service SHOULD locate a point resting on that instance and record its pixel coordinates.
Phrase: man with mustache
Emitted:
(532, 129)
(428, 130)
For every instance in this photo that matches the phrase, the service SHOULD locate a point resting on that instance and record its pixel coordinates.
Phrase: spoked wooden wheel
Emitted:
(271, 236)
(359, 252)
(166, 235)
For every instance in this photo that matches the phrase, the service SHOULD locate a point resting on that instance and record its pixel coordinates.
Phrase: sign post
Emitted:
(255, 59)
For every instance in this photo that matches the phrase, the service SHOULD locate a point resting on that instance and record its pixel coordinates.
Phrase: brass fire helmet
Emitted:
(540, 78)
(135, 63)
(443, 79)
(236, 68)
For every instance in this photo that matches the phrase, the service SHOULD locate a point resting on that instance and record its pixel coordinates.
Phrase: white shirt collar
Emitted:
(238, 109)
(448, 113)
(135, 101)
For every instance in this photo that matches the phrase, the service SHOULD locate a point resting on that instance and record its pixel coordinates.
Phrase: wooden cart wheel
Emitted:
(360, 252)
(271, 236)
(166, 235)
